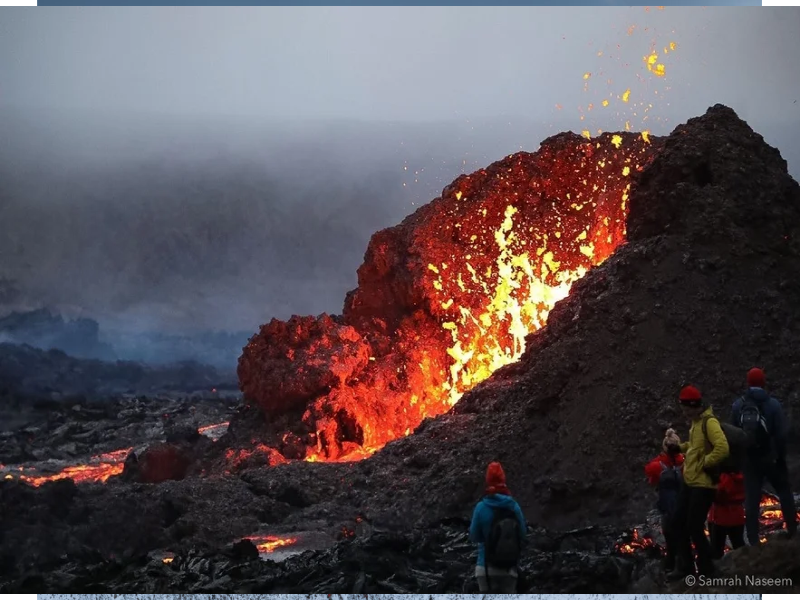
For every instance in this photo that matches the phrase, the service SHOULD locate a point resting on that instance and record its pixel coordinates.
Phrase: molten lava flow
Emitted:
(99, 469)
(772, 518)
(357, 454)
(270, 543)
(635, 542)
(213, 431)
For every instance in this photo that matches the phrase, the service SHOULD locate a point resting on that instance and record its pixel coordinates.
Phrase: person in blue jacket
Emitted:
(761, 416)
(499, 528)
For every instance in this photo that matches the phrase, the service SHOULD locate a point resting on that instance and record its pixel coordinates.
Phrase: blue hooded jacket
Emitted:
(773, 414)
(482, 518)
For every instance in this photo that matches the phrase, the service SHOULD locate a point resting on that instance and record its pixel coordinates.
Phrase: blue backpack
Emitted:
(669, 486)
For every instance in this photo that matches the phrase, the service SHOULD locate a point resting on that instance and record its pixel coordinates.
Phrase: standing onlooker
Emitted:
(706, 448)
(499, 528)
(761, 417)
(726, 517)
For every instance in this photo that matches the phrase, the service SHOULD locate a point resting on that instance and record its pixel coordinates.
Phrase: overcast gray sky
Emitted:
(377, 63)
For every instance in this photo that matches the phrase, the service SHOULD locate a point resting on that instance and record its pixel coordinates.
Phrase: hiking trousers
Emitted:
(719, 533)
(499, 581)
(693, 506)
(755, 473)
(671, 533)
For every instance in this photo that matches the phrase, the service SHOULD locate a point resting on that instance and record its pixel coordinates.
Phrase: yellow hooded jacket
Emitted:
(701, 454)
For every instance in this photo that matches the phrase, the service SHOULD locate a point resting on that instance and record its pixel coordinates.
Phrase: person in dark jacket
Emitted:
(726, 517)
(664, 473)
(498, 497)
(766, 460)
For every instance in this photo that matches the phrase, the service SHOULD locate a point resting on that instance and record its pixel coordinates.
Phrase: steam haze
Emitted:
(190, 169)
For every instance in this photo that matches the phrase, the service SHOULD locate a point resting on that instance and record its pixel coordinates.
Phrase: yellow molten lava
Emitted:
(523, 285)
(99, 469)
(476, 353)
(270, 543)
(655, 67)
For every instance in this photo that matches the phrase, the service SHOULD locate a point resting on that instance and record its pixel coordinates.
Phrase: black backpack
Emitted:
(669, 486)
(753, 423)
(503, 548)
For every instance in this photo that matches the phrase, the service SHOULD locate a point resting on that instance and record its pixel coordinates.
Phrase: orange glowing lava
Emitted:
(357, 454)
(207, 428)
(213, 431)
(270, 543)
(636, 543)
(773, 517)
(99, 469)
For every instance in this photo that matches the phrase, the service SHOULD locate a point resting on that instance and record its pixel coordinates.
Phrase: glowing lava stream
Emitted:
(100, 467)
(270, 543)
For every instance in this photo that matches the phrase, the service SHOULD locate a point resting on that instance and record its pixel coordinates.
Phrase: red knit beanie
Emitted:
(690, 396)
(755, 378)
(496, 479)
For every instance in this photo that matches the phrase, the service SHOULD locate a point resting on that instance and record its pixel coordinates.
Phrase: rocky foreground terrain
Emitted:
(696, 284)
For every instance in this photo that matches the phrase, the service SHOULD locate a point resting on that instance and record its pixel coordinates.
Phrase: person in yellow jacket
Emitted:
(706, 448)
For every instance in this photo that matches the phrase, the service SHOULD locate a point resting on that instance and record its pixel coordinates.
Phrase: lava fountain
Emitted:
(443, 299)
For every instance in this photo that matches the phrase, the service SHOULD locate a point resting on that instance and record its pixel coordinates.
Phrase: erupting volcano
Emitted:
(459, 291)
(444, 299)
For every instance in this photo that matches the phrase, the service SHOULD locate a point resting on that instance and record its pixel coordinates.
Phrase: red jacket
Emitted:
(728, 507)
(653, 468)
